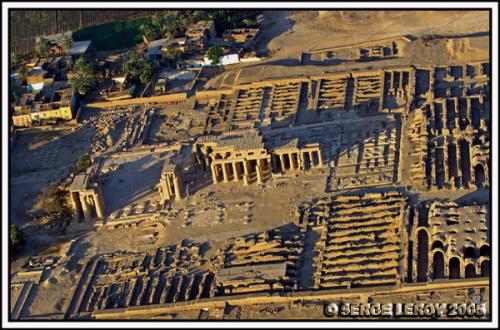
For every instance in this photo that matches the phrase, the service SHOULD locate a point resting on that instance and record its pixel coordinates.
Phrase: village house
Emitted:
(53, 102)
(199, 34)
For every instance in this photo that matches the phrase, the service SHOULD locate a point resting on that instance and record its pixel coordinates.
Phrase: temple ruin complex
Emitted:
(357, 171)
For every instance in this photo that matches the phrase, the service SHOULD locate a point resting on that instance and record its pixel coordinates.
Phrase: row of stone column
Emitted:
(454, 167)
(239, 170)
(296, 160)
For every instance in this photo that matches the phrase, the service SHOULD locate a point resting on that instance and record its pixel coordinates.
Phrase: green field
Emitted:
(114, 35)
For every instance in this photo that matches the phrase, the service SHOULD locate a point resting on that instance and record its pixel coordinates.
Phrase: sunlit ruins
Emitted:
(344, 169)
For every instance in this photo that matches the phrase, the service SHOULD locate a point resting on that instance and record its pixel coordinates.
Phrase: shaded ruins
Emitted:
(449, 131)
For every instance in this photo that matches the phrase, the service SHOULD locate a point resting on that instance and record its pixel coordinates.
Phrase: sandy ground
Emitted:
(319, 29)
(313, 30)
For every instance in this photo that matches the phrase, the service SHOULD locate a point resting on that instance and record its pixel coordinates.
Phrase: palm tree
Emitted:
(80, 65)
(84, 76)
(146, 72)
(214, 53)
(42, 47)
(131, 66)
(173, 26)
(66, 43)
(138, 67)
(150, 31)
(157, 20)
(82, 82)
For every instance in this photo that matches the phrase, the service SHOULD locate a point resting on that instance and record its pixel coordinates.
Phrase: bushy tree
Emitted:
(150, 31)
(146, 72)
(214, 53)
(83, 163)
(138, 67)
(173, 26)
(42, 47)
(228, 19)
(83, 75)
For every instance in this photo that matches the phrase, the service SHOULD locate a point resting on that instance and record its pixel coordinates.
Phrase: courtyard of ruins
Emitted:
(349, 171)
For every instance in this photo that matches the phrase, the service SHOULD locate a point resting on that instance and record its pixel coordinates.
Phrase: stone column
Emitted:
(469, 111)
(446, 267)
(300, 161)
(177, 188)
(471, 167)
(224, 172)
(235, 172)
(445, 162)
(433, 164)
(265, 166)
(168, 187)
(99, 206)
(85, 207)
(459, 164)
(214, 173)
(320, 158)
(75, 200)
(246, 174)
(259, 172)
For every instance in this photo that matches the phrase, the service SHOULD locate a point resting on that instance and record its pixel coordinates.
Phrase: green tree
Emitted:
(83, 163)
(146, 72)
(156, 21)
(173, 26)
(131, 66)
(214, 53)
(16, 237)
(200, 15)
(150, 31)
(42, 47)
(83, 76)
(228, 19)
(81, 83)
(84, 65)
(138, 67)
